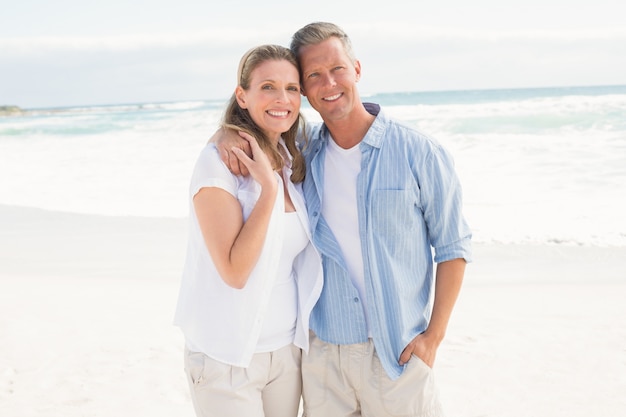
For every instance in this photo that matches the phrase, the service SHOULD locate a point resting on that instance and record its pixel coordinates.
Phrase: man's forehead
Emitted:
(325, 53)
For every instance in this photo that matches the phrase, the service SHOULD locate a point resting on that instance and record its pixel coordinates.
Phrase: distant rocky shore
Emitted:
(10, 111)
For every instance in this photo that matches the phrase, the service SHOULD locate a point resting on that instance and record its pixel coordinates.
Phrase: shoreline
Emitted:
(86, 308)
(36, 241)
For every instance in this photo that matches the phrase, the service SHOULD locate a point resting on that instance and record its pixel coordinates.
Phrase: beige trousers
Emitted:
(270, 387)
(349, 380)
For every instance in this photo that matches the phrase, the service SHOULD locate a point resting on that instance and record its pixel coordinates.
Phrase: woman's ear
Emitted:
(240, 94)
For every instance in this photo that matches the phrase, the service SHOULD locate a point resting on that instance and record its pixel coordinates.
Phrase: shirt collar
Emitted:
(375, 134)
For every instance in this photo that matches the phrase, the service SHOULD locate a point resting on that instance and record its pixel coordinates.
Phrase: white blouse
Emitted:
(223, 322)
(280, 322)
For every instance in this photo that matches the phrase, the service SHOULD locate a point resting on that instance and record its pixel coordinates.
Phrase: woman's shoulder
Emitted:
(209, 159)
(209, 152)
(209, 167)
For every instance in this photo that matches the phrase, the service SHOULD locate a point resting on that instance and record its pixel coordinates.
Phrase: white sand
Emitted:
(86, 304)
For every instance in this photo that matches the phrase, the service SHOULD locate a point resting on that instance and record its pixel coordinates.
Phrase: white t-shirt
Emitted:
(340, 209)
(223, 322)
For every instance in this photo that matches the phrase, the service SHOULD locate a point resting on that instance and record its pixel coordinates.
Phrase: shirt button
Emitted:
(315, 214)
(356, 299)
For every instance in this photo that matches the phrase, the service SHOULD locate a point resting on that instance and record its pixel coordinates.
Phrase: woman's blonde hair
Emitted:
(239, 119)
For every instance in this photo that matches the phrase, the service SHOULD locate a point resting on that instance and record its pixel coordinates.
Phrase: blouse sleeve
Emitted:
(210, 171)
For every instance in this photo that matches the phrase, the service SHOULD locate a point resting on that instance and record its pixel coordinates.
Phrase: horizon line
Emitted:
(7, 108)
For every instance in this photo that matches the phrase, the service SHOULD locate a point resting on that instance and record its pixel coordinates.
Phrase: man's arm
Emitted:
(447, 287)
(225, 140)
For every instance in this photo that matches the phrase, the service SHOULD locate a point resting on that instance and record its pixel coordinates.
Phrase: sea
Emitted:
(537, 166)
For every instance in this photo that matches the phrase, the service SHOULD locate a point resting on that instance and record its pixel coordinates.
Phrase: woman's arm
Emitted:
(235, 245)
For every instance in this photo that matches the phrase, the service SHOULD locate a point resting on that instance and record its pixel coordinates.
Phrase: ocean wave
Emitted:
(533, 115)
(184, 105)
(541, 167)
(616, 241)
(126, 108)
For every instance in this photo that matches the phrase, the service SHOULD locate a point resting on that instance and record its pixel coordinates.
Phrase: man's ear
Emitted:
(357, 68)
(240, 95)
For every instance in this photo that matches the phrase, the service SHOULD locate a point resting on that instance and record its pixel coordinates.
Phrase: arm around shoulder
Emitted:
(227, 139)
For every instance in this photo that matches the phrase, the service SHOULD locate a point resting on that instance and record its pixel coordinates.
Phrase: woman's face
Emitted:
(273, 98)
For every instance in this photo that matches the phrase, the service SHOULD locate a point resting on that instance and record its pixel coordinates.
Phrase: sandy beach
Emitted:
(86, 305)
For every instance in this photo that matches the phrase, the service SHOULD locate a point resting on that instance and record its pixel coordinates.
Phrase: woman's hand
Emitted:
(259, 166)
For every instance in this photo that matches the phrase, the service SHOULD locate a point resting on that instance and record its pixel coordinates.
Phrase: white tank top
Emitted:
(280, 321)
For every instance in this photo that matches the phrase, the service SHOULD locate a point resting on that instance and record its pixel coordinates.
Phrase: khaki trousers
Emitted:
(270, 387)
(349, 381)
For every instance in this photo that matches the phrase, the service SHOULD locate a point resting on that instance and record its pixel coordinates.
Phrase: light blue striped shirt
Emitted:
(409, 206)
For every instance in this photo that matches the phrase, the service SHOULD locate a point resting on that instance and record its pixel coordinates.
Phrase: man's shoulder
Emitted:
(314, 130)
(404, 132)
(392, 124)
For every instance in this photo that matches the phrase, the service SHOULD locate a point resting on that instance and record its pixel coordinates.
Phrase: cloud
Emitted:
(131, 42)
(362, 35)
(403, 31)
(78, 70)
(442, 59)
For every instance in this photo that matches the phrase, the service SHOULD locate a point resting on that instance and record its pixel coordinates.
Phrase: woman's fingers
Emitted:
(241, 155)
(254, 144)
(249, 139)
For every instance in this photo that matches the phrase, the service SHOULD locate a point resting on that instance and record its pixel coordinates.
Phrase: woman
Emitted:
(251, 276)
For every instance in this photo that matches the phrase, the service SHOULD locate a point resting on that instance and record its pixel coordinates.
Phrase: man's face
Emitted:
(329, 79)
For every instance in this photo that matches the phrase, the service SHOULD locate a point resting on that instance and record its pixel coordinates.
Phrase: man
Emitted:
(381, 196)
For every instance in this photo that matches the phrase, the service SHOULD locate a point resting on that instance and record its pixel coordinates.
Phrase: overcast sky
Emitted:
(71, 52)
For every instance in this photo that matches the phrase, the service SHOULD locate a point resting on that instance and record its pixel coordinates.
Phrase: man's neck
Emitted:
(350, 131)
